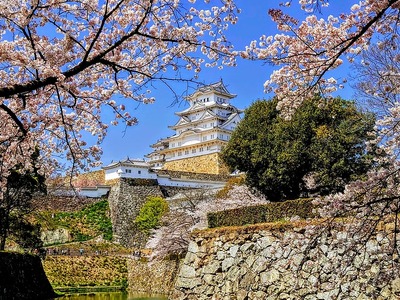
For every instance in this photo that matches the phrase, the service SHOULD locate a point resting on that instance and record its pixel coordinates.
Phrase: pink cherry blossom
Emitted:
(62, 64)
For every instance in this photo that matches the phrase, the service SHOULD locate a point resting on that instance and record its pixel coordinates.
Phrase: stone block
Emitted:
(187, 283)
(227, 263)
(206, 164)
(187, 271)
(269, 277)
(212, 267)
(233, 250)
(265, 241)
(193, 247)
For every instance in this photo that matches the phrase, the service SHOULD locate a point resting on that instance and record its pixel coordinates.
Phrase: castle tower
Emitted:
(200, 133)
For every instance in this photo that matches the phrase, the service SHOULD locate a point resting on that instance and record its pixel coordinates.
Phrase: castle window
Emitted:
(212, 136)
(204, 138)
(208, 147)
(128, 171)
(186, 152)
(193, 150)
(179, 153)
(201, 149)
(179, 144)
(139, 172)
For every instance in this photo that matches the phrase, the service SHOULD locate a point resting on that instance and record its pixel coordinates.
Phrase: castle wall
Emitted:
(267, 262)
(22, 277)
(208, 164)
(194, 176)
(156, 277)
(125, 200)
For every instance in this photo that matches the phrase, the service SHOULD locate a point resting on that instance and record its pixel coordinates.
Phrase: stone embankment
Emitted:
(157, 277)
(257, 262)
(22, 277)
(125, 200)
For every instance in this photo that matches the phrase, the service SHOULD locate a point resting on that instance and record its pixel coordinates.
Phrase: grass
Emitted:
(84, 224)
(88, 271)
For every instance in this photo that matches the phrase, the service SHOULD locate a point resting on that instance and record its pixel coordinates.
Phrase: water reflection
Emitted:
(110, 296)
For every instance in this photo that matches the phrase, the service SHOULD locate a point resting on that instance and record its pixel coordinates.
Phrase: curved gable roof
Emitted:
(232, 118)
(217, 87)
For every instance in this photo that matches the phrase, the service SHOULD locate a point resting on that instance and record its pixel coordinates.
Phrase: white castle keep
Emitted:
(202, 131)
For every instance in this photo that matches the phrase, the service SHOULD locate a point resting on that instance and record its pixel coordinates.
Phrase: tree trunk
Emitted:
(4, 225)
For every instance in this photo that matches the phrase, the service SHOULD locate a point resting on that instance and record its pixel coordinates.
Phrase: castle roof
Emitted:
(127, 163)
(196, 107)
(217, 88)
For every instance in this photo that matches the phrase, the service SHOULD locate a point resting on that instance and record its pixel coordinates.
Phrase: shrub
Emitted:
(150, 214)
(270, 212)
(319, 150)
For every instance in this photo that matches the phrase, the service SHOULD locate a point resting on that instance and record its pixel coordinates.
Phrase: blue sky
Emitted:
(246, 80)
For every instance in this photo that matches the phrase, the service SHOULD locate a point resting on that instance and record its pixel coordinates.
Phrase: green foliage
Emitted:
(271, 212)
(15, 203)
(97, 215)
(324, 141)
(151, 212)
(84, 224)
(26, 234)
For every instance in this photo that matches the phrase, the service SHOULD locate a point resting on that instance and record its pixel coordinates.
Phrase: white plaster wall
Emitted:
(190, 140)
(135, 172)
(166, 181)
(111, 174)
(94, 192)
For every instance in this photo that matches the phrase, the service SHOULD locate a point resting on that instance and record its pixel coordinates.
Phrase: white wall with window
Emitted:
(129, 169)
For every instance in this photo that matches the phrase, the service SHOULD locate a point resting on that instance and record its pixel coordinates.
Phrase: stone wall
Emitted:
(126, 198)
(152, 277)
(253, 262)
(56, 236)
(171, 191)
(194, 176)
(207, 164)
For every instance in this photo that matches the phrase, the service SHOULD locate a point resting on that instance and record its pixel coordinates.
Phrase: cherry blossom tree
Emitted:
(62, 63)
(305, 53)
(375, 202)
(189, 212)
(377, 75)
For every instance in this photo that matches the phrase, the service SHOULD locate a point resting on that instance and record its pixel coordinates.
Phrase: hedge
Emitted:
(270, 212)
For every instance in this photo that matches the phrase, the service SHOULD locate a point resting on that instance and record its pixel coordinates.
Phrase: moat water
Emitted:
(110, 296)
